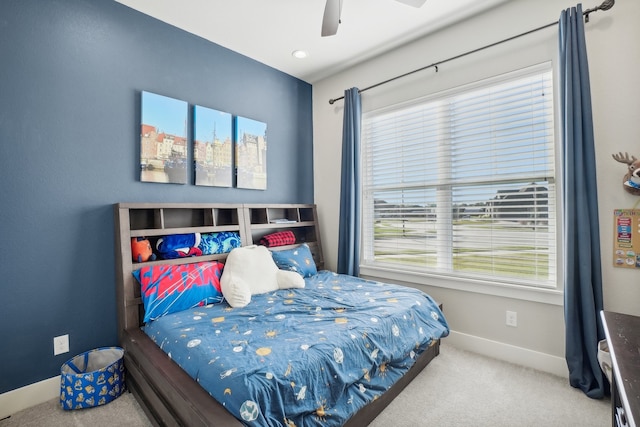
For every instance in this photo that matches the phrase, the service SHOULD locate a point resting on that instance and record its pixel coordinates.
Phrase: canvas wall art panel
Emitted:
(212, 147)
(251, 153)
(163, 139)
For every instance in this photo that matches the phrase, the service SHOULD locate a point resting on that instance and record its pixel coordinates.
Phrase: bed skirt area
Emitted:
(170, 397)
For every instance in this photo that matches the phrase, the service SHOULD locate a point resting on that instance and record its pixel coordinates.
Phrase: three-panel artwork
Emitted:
(224, 146)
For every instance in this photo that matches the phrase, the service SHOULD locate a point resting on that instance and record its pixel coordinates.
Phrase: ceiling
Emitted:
(270, 30)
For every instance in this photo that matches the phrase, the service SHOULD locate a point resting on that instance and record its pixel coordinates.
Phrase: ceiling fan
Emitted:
(333, 9)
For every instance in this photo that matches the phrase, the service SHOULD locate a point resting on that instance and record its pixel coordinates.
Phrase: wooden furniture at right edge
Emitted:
(623, 337)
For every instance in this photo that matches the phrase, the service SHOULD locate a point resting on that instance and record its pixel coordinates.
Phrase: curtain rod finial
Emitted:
(607, 4)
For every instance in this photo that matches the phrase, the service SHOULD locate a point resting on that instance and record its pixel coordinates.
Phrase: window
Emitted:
(463, 183)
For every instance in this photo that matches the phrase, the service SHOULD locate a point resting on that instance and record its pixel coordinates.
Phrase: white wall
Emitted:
(478, 319)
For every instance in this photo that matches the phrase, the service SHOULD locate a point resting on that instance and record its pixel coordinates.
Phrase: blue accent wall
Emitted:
(70, 82)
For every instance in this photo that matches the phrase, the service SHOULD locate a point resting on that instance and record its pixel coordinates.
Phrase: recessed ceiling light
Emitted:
(300, 54)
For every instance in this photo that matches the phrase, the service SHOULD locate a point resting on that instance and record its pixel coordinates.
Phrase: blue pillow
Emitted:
(170, 288)
(219, 243)
(297, 259)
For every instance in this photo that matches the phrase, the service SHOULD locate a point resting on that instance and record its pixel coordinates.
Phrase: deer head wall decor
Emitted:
(631, 180)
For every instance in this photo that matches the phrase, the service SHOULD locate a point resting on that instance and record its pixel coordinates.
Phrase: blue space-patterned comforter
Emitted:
(303, 357)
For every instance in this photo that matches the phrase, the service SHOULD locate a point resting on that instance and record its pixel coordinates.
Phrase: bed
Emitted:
(335, 352)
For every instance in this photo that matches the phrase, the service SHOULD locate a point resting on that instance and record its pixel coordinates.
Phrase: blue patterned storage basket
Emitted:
(93, 378)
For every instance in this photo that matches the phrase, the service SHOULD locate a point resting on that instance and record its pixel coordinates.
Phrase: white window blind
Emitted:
(463, 183)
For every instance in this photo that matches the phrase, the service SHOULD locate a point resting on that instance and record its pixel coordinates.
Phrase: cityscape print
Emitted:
(212, 147)
(251, 154)
(163, 139)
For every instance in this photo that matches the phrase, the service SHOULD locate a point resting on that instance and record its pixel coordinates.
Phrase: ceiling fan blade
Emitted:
(414, 3)
(331, 18)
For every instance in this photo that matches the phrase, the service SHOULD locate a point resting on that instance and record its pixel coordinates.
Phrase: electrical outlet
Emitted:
(60, 344)
(512, 318)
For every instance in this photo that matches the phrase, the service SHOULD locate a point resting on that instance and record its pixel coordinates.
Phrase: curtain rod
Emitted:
(606, 5)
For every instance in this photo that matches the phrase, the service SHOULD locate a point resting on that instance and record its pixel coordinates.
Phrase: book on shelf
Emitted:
(282, 221)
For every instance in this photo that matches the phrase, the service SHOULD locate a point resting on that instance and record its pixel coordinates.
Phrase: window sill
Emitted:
(547, 296)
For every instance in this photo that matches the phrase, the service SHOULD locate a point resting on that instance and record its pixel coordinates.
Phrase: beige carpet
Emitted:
(473, 390)
(124, 411)
(457, 389)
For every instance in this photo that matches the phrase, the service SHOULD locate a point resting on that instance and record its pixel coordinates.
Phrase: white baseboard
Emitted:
(520, 356)
(25, 397)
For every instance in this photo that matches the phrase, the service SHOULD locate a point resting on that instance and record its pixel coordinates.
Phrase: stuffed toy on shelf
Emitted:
(178, 246)
(141, 250)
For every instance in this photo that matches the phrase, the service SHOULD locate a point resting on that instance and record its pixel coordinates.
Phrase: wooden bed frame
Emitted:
(165, 392)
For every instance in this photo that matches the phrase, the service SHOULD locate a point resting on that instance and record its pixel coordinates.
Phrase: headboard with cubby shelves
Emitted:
(152, 220)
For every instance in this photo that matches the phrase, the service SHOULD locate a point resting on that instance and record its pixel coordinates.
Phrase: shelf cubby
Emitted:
(301, 219)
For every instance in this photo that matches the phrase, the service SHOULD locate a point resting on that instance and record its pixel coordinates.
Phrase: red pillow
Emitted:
(170, 288)
(280, 238)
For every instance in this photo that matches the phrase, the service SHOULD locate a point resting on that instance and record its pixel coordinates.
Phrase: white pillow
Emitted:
(250, 270)
(289, 279)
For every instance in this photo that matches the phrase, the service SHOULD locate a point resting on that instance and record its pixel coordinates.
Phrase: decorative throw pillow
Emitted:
(171, 288)
(219, 243)
(297, 259)
(279, 238)
(250, 270)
